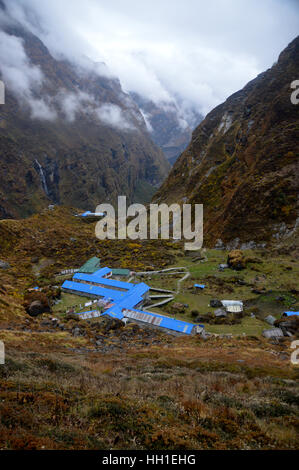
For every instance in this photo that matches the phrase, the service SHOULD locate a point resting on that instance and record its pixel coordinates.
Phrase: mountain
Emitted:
(169, 129)
(242, 162)
(68, 134)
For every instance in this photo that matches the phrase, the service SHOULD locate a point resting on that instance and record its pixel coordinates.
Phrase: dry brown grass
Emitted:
(185, 394)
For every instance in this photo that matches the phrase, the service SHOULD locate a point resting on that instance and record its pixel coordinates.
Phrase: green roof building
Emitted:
(91, 266)
(120, 272)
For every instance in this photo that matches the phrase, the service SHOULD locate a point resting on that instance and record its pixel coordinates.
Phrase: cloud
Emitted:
(193, 53)
(21, 77)
(41, 110)
(113, 115)
(71, 103)
(25, 80)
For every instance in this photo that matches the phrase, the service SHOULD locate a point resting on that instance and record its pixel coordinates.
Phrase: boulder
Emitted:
(110, 324)
(36, 296)
(270, 319)
(220, 312)
(4, 265)
(205, 318)
(273, 333)
(289, 324)
(215, 303)
(78, 332)
(236, 260)
(35, 308)
(177, 307)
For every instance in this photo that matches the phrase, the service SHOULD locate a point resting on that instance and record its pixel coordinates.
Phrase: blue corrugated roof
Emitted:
(135, 296)
(101, 272)
(97, 277)
(123, 300)
(291, 313)
(94, 290)
(87, 213)
(201, 286)
(170, 323)
(114, 312)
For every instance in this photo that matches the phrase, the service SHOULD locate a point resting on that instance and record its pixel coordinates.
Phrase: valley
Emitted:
(70, 383)
(187, 112)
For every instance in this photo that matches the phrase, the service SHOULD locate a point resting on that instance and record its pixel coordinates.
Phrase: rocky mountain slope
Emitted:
(67, 135)
(168, 128)
(242, 162)
(69, 383)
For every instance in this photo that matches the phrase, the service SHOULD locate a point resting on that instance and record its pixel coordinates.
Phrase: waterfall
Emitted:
(42, 177)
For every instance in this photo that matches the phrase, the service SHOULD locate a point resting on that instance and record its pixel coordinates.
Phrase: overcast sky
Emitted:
(197, 52)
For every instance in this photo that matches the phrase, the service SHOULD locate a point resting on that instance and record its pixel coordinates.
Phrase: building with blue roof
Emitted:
(97, 278)
(90, 214)
(89, 290)
(126, 299)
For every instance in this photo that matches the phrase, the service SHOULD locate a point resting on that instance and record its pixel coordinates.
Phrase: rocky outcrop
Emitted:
(242, 162)
(289, 325)
(36, 303)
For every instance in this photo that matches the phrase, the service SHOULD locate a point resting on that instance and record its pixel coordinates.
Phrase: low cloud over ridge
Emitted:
(190, 53)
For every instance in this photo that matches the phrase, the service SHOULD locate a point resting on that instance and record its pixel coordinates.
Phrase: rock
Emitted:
(259, 291)
(4, 265)
(288, 324)
(215, 303)
(30, 298)
(270, 319)
(200, 331)
(220, 312)
(177, 307)
(285, 331)
(222, 266)
(72, 316)
(236, 260)
(35, 308)
(112, 324)
(273, 333)
(77, 331)
(219, 245)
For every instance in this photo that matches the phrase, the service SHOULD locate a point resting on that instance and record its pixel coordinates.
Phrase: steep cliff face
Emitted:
(76, 139)
(242, 162)
(168, 127)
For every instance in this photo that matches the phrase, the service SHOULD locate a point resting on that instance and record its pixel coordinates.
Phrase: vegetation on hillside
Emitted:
(98, 384)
